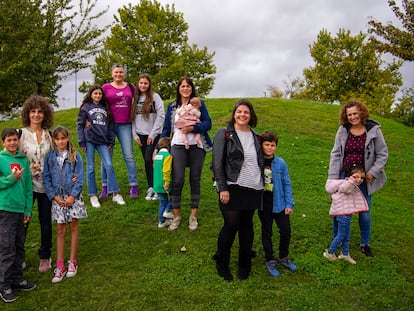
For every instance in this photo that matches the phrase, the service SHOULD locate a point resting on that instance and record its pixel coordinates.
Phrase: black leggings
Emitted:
(147, 151)
(241, 222)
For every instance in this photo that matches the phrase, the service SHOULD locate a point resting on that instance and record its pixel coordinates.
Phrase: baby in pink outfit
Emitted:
(189, 115)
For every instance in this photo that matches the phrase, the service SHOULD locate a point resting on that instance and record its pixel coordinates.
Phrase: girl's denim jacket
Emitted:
(59, 181)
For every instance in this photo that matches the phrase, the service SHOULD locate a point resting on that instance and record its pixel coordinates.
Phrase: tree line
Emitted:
(44, 41)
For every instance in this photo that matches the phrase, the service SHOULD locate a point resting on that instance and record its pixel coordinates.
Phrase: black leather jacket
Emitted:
(228, 156)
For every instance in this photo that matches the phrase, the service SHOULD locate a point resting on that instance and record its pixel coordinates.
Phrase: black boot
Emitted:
(222, 266)
(245, 266)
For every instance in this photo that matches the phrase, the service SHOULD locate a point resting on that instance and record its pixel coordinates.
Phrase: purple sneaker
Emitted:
(133, 192)
(104, 192)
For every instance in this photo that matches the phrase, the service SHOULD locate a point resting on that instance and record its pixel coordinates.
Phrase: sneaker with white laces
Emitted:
(169, 215)
(165, 224)
(192, 223)
(347, 258)
(118, 199)
(95, 202)
(59, 275)
(330, 257)
(155, 196)
(72, 268)
(7, 295)
(150, 194)
(175, 223)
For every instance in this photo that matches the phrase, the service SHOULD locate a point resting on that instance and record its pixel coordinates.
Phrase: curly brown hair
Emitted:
(364, 113)
(41, 102)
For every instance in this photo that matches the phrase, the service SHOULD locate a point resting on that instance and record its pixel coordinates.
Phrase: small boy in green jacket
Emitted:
(16, 200)
(162, 181)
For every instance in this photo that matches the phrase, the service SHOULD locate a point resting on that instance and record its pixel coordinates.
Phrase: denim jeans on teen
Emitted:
(124, 134)
(106, 161)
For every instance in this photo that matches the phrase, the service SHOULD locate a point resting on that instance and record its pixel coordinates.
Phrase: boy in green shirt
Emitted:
(16, 200)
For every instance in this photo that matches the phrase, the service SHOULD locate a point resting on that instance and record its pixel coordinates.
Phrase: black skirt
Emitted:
(242, 198)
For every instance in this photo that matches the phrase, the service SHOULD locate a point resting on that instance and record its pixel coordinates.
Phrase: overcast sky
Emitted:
(260, 43)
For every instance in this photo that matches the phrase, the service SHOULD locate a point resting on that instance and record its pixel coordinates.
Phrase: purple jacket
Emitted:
(347, 199)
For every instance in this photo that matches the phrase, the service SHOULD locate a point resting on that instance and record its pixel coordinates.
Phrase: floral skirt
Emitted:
(64, 214)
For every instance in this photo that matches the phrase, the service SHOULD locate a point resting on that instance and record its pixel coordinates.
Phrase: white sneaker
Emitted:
(175, 223)
(155, 197)
(164, 224)
(150, 194)
(118, 199)
(95, 202)
(169, 215)
(347, 258)
(72, 269)
(192, 223)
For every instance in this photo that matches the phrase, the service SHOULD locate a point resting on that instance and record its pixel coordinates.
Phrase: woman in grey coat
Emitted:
(360, 141)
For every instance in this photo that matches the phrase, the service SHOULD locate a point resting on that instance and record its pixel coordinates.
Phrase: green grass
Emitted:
(127, 263)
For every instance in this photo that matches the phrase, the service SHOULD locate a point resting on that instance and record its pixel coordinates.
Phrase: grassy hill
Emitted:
(127, 263)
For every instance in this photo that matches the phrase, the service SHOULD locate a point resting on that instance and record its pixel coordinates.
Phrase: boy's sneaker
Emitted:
(366, 249)
(133, 192)
(118, 199)
(192, 223)
(150, 194)
(23, 285)
(155, 197)
(175, 223)
(287, 263)
(169, 215)
(45, 265)
(95, 202)
(347, 258)
(271, 267)
(104, 192)
(330, 257)
(72, 268)
(59, 274)
(165, 224)
(7, 295)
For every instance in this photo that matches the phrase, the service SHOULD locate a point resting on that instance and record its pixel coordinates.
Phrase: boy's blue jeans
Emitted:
(12, 239)
(165, 206)
(342, 234)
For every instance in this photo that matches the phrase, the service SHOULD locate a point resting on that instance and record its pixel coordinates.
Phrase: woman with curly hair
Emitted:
(35, 143)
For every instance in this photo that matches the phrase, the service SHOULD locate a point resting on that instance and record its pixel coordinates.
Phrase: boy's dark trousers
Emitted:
(283, 223)
(12, 238)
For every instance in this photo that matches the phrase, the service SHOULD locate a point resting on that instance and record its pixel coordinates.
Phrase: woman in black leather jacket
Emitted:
(238, 171)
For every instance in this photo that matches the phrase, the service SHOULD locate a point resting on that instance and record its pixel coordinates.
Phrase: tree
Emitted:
(149, 38)
(41, 43)
(404, 110)
(389, 38)
(348, 66)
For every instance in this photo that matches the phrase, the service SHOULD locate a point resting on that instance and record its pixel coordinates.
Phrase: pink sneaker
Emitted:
(72, 268)
(59, 275)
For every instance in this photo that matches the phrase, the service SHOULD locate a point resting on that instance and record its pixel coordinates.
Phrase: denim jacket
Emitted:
(59, 182)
